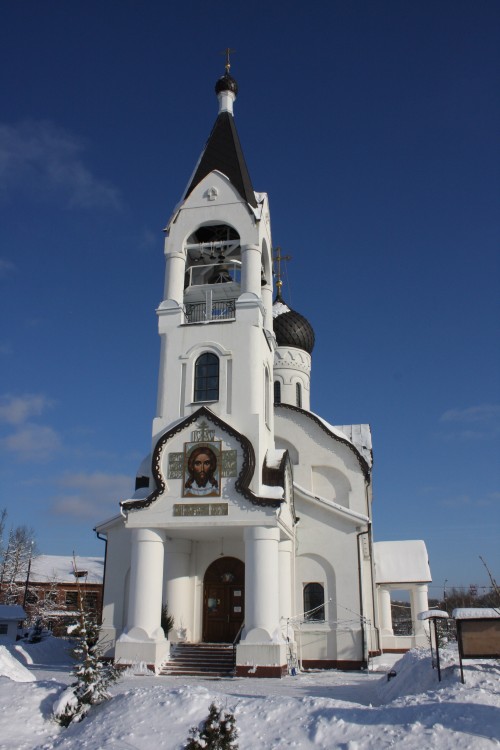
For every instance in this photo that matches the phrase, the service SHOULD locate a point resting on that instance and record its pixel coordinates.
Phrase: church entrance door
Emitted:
(223, 600)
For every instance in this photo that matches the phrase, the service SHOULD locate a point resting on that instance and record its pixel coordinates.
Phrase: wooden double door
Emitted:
(223, 600)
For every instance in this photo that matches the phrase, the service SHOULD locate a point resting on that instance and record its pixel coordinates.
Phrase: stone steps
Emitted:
(200, 659)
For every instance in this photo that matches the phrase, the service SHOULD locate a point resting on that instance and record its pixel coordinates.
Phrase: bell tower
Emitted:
(215, 320)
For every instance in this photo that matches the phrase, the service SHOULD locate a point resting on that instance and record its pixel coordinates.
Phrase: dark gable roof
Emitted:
(223, 152)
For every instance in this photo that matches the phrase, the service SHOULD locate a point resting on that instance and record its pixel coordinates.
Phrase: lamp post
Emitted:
(27, 577)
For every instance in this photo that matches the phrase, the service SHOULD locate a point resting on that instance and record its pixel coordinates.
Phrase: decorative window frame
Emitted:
(189, 360)
(197, 377)
(313, 621)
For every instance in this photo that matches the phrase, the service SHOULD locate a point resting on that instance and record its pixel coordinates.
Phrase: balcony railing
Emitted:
(220, 272)
(210, 312)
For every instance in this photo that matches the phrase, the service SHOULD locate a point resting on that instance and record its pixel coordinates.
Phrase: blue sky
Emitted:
(373, 128)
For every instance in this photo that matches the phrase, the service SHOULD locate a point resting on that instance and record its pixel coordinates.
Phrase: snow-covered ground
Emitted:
(331, 710)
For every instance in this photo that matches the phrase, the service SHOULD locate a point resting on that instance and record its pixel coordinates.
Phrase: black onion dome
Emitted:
(291, 328)
(226, 83)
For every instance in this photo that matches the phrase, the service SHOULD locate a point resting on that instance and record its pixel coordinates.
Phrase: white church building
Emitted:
(252, 516)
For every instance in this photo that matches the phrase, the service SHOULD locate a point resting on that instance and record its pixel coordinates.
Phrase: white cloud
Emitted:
(94, 496)
(473, 414)
(473, 423)
(459, 501)
(16, 410)
(44, 160)
(5, 267)
(33, 442)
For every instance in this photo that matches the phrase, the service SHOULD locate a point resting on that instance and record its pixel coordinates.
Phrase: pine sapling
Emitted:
(93, 675)
(217, 732)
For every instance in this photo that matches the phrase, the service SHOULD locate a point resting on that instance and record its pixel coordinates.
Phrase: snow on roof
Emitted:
(274, 458)
(274, 492)
(401, 562)
(429, 613)
(475, 613)
(279, 308)
(46, 568)
(144, 469)
(12, 612)
(361, 436)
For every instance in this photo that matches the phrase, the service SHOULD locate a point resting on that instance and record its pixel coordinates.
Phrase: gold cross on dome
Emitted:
(227, 52)
(277, 267)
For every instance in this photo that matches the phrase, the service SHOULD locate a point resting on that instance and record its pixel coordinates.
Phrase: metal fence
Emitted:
(200, 312)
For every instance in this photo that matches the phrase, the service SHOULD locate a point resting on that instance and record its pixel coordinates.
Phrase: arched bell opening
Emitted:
(213, 256)
(223, 600)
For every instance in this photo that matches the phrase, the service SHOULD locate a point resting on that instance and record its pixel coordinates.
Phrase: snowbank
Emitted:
(414, 674)
(13, 669)
(320, 711)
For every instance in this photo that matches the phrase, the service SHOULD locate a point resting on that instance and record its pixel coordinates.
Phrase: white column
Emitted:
(251, 269)
(285, 580)
(384, 598)
(261, 583)
(177, 589)
(146, 574)
(419, 603)
(174, 276)
(267, 298)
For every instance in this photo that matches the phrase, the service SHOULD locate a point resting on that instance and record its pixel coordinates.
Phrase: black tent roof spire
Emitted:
(223, 150)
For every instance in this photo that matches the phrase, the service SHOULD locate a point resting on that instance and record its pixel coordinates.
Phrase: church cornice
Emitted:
(242, 484)
(365, 468)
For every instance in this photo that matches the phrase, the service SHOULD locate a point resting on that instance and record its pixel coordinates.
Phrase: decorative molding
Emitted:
(201, 509)
(242, 484)
(212, 193)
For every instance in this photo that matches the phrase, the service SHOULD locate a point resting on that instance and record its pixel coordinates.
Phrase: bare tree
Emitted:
(15, 556)
(494, 584)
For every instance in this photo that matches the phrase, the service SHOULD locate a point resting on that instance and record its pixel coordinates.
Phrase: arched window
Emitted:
(206, 378)
(314, 602)
(298, 395)
(277, 392)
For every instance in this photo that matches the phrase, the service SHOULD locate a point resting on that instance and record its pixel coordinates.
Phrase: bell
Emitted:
(220, 275)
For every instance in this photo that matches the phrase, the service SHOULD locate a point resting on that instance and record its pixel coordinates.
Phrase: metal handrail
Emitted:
(238, 634)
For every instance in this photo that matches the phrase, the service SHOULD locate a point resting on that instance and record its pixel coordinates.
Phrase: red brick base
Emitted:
(246, 671)
(396, 650)
(331, 664)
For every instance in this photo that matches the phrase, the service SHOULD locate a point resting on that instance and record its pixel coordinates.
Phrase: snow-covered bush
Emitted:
(35, 632)
(217, 732)
(93, 675)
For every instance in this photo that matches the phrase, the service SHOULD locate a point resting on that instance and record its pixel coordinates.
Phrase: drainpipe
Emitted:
(364, 660)
(105, 540)
(374, 593)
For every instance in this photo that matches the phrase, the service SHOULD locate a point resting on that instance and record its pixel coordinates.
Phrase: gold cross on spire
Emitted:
(277, 269)
(227, 52)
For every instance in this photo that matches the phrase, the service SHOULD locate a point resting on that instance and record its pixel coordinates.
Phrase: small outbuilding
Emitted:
(402, 566)
(11, 615)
